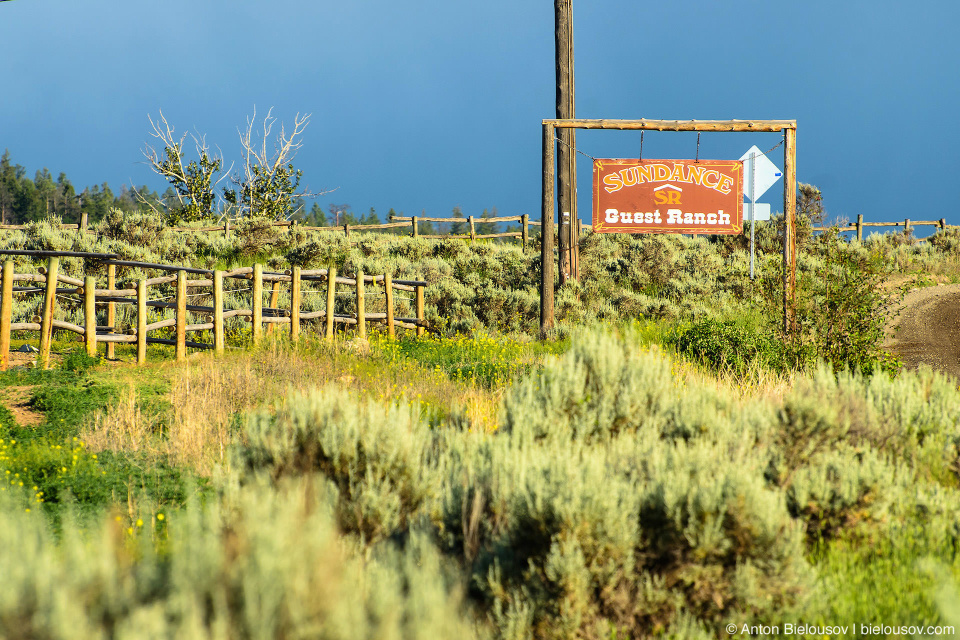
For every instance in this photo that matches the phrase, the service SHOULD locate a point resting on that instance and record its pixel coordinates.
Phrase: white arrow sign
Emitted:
(765, 171)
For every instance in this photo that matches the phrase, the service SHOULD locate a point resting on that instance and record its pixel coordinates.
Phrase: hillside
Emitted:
(666, 465)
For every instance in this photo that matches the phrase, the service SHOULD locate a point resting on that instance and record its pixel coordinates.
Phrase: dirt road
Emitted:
(927, 330)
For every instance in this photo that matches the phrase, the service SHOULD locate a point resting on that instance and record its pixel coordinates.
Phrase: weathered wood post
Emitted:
(46, 320)
(906, 227)
(416, 231)
(525, 233)
(111, 310)
(346, 230)
(546, 234)
(218, 333)
(331, 301)
(473, 230)
(420, 312)
(859, 227)
(256, 307)
(362, 303)
(295, 304)
(943, 224)
(388, 291)
(141, 321)
(6, 313)
(790, 229)
(181, 315)
(566, 156)
(82, 227)
(90, 315)
(274, 301)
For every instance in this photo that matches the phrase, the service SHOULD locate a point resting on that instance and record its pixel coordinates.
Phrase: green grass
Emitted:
(889, 580)
(487, 360)
(51, 465)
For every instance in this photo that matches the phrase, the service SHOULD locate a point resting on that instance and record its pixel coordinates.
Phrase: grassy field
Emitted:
(663, 471)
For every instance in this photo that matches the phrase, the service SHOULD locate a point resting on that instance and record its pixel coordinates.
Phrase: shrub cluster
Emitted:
(841, 304)
(617, 498)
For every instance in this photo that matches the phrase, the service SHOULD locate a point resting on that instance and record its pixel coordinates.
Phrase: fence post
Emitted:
(525, 235)
(331, 300)
(906, 227)
(473, 231)
(256, 307)
(141, 321)
(226, 227)
(218, 334)
(362, 302)
(859, 227)
(111, 309)
(181, 315)
(415, 229)
(420, 315)
(6, 313)
(295, 304)
(90, 315)
(46, 321)
(388, 290)
(346, 230)
(274, 301)
(82, 227)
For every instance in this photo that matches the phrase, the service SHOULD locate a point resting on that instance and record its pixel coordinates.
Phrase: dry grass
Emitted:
(209, 395)
(756, 384)
(125, 427)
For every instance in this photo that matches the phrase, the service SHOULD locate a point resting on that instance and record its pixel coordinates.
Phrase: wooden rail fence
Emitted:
(907, 224)
(411, 222)
(52, 283)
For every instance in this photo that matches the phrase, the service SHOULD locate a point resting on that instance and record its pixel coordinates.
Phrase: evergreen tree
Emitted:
(67, 207)
(97, 201)
(316, 217)
(487, 228)
(458, 227)
(8, 188)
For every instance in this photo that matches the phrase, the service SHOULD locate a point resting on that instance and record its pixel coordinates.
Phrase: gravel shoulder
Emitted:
(926, 330)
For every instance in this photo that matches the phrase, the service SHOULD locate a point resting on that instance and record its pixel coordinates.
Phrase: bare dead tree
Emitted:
(270, 184)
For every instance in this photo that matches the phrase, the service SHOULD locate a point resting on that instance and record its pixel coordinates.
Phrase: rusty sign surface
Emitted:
(667, 196)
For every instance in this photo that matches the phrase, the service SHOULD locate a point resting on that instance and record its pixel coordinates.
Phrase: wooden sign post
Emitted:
(789, 129)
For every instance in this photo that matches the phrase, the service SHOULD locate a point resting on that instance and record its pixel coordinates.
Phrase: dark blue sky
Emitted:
(427, 105)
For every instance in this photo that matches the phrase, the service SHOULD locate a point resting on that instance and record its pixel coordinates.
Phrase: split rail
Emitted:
(397, 222)
(907, 225)
(210, 283)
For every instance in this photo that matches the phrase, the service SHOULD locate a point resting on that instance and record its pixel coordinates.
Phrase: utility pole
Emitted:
(566, 157)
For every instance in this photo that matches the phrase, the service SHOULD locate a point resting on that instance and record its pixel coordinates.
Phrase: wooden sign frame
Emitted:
(789, 129)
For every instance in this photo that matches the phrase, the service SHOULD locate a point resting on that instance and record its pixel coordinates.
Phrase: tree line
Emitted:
(24, 199)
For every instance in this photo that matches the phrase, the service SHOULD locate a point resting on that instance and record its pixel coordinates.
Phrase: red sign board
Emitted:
(667, 196)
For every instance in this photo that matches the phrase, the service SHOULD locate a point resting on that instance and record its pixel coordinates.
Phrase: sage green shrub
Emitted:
(600, 387)
(139, 229)
(262, 562)
(381, 459)
(616, 500)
